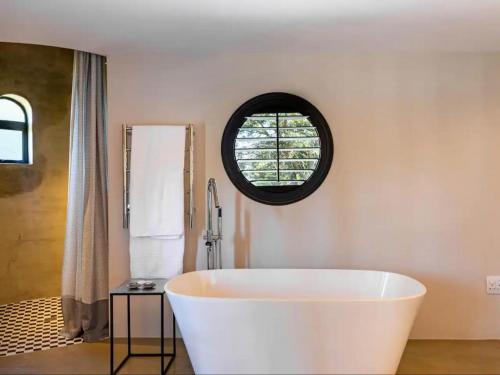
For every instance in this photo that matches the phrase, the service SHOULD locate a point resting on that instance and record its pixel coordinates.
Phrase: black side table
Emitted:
(123, 290)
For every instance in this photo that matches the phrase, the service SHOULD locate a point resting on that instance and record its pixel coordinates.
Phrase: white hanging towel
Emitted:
(157, 201)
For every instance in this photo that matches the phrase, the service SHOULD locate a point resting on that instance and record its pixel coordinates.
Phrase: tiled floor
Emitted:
(32, 325)
(420, 357)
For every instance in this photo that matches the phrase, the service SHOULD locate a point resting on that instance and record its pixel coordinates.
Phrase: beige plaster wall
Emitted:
(415, 182)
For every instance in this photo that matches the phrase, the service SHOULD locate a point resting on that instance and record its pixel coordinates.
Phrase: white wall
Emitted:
(414, 187)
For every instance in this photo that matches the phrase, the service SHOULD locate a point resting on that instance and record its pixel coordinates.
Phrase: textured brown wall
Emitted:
(33, 197)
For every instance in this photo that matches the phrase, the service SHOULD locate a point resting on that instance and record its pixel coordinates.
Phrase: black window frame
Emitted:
(276, 102)
(19, 126)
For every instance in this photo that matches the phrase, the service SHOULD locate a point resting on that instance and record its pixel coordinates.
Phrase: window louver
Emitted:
(277, 149)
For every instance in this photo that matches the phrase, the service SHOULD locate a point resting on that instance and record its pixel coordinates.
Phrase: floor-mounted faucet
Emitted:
(213, 240)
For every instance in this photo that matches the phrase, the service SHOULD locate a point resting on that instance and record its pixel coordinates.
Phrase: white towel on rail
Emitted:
(157, 181)
(157, 201)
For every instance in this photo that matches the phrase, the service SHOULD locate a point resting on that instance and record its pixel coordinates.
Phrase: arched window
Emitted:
(15, 130)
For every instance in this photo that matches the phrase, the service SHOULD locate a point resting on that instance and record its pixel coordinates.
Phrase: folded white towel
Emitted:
(156, 258)
(157, 201)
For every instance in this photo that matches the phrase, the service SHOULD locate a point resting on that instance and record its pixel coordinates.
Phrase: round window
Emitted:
(277, 148)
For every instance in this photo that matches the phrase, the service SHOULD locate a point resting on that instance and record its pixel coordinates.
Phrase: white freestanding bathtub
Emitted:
(288, 321)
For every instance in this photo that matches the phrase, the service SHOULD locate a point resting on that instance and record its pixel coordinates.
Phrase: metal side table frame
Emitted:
(158, 290)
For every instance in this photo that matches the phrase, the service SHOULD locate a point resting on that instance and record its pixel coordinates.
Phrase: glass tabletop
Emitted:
(123, 289)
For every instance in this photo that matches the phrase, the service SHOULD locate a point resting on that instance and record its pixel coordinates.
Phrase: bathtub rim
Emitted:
(168, 291)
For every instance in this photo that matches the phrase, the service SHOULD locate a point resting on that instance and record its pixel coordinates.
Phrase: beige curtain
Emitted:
(85, 268)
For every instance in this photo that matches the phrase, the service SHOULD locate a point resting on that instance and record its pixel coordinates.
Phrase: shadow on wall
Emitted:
(241, 235)
(20, 179)
(194, 234)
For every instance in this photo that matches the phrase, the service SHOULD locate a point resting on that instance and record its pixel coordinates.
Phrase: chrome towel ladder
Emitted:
(188, 173)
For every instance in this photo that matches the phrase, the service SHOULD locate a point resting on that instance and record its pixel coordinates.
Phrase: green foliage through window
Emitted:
(277, 149)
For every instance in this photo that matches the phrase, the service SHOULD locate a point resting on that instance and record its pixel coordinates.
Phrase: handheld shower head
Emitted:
(212, 187)
(213, 239)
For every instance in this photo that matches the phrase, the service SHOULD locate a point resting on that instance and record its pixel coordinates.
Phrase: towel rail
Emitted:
(188, 170)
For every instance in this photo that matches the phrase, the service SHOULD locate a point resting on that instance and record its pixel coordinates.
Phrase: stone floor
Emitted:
(420, 357)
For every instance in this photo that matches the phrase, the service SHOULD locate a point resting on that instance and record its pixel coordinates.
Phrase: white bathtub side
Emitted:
(228, 335)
